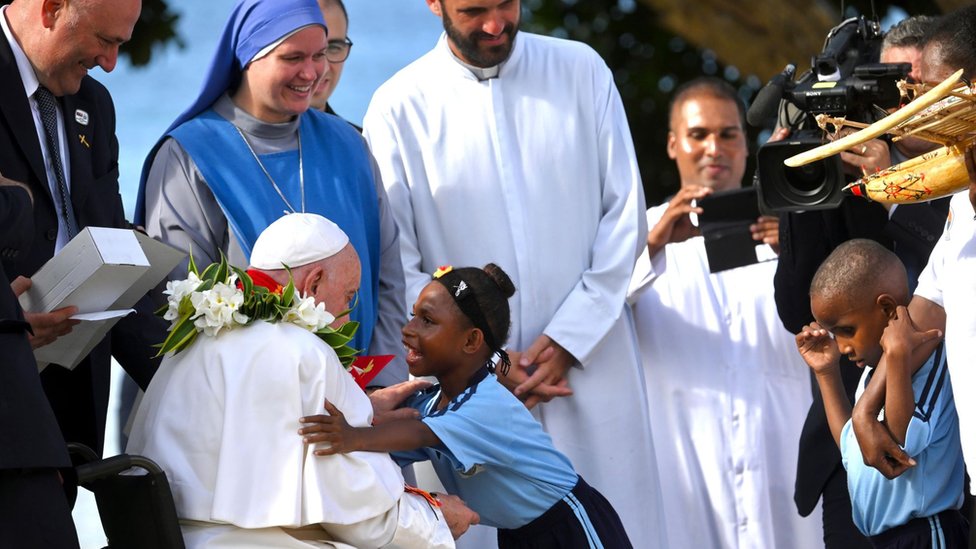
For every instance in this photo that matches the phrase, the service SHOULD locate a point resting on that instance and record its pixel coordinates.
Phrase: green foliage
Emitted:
(155, 29)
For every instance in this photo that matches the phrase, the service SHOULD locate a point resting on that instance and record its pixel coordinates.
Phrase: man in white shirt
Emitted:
(727, 391)
(507, 147)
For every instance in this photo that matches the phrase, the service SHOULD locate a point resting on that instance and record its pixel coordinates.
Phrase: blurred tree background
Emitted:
(652, 46)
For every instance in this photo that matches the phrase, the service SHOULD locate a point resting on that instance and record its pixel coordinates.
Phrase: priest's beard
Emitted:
(470, 46)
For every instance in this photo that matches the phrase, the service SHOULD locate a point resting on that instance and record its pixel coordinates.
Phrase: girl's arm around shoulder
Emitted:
(392, 436)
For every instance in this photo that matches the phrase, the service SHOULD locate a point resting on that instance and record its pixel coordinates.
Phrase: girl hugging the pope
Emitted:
(484, 444)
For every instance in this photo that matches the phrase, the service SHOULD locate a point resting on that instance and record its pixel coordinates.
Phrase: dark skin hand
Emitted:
(392, 436)
(387, 401)
(331, 429)
(344, 438)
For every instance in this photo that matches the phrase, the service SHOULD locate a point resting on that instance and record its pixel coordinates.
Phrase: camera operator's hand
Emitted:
(675, 225)
(866, 158)
(766, 230)
(778, 135)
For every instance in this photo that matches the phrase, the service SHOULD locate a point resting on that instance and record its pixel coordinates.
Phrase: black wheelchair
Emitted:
(135, 504)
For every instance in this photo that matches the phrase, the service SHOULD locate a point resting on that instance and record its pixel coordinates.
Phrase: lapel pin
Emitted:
(81, 117)
(81, 137)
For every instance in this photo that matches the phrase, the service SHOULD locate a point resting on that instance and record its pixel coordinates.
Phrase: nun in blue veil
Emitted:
(249, 149)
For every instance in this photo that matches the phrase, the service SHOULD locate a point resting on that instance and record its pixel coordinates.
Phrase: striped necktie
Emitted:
(47, 105)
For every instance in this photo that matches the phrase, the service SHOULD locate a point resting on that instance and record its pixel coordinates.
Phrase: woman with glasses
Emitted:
(250, 149)
(337, 19)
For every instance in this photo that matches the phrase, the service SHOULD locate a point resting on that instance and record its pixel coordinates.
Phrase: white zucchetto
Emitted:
(297, 239)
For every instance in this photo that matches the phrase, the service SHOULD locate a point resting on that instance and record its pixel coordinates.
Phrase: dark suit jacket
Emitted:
(29, 434)
(79, 397)
(806, 239)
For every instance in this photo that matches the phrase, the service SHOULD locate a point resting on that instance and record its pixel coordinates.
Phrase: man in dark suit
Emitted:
(33, 508)
(57, 134)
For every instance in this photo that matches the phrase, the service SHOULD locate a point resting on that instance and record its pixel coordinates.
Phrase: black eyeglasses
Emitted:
(338, 50)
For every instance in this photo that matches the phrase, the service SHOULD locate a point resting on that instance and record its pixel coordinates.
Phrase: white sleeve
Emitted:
(648, 268)
(929, 285)
(412, 524)
(600, 295)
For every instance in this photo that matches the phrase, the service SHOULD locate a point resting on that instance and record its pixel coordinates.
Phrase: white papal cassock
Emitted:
(535, 171)
(728, 396)
(222, 419)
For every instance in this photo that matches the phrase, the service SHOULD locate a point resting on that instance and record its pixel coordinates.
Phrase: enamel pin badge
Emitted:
(81, 117)
(81, 138)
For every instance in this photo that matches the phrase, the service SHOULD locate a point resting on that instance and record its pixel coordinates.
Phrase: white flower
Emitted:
(177, 290)
(309, 315)
(217, 308)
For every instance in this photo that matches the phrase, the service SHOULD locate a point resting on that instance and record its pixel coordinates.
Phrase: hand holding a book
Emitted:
(46, 327)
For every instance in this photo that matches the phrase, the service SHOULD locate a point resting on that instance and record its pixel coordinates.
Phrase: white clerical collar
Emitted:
(481, 73)
(24, 67)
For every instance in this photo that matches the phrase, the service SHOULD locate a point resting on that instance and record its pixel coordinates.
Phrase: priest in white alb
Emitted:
(727, 391)
(221, 415)
(508, 147)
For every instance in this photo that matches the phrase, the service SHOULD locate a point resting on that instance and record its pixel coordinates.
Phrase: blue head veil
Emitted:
(252, 25)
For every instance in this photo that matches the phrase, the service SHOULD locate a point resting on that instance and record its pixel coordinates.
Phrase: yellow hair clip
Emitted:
(443, 270)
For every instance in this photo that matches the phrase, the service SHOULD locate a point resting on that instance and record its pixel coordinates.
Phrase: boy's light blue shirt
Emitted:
(494, 454)
(935, 484)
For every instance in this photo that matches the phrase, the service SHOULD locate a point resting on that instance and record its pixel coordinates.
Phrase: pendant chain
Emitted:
(301, 171)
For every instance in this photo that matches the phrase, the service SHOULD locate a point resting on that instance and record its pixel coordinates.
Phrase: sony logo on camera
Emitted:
(845, 81)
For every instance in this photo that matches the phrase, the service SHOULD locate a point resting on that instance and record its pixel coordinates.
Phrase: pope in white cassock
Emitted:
(508, 147)
(221, 418)
(728, 392)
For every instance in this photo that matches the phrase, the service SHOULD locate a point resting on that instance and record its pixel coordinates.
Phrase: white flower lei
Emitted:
(225, 297)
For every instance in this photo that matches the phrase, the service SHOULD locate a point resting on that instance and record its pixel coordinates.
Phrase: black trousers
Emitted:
(581, 520)
(838, 525)
(947, 530)
(972, 529)
(34, 512)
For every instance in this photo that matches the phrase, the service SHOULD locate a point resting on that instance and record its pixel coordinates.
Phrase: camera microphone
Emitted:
(767, 100)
